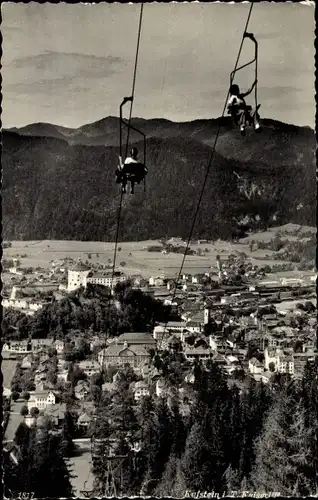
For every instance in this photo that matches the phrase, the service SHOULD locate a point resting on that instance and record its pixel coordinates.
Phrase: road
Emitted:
(80, 467)
(14, 420)
(8, 367)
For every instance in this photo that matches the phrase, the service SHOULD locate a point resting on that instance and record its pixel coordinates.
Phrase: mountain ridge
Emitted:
(106, 130)
(54, 189)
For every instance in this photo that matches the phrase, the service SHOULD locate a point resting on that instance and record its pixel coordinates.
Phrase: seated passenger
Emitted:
(240, 111)
(131, 170)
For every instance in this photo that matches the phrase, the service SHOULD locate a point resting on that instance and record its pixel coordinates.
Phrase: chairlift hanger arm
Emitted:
(251, 37)
(129, 126)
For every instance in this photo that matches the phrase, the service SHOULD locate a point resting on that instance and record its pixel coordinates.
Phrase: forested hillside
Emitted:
(55, 190)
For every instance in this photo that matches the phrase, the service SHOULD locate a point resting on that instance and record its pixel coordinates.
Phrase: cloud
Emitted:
(57, 70)
(48, 87)
(10, 29)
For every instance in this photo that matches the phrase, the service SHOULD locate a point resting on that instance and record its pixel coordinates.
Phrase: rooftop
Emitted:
(136, 338)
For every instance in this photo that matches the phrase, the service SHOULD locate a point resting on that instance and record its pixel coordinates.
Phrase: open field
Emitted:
(288, 232)
(138, 260)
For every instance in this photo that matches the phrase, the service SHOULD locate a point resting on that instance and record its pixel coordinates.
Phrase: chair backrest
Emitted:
(134, 169)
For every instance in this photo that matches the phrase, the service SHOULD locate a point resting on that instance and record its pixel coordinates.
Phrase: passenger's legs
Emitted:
(242, 121)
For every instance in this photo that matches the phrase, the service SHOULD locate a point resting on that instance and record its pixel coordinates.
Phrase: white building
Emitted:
(255, 366)
(41, 399)
(77, 277)
(140, 390)
(270, 356)
(106, 279)
(286, 364)
(81, 275)
(59, 346)
(156, 281)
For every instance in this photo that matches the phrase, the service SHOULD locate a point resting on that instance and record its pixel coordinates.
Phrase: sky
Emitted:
(71, 64)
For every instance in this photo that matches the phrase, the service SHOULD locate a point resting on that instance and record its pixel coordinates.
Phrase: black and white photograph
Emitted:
(159, 309)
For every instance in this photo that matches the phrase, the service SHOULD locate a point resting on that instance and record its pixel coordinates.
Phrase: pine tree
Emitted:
(166, 484)
(310, 399)
(41, 468)
(282, 450)
(195, 463)
(68, 432)
(149, 437)
(164, 439)
(179, 431)
(254, 406)
(207, 449)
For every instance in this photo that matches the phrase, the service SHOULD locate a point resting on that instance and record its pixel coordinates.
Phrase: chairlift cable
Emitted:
(127, 142)
(208, 168)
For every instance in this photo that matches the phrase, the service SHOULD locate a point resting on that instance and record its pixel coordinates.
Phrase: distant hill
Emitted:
(58, 183)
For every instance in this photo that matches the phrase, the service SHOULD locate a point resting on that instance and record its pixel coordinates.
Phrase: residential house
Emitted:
(300, 360)
(187, 277)
(194, 326)
(263, 377)
(220, 360)
(6, 347)
(89, 367)
(231, 341)
(84, 420)
(198, 278)
(156, 281)
(17, 346)
(27, 362)
(286, 364)
(62, 375)
(56, 413)
(255, 366)
(268, 321)
(140, 390)
(41, 399)
(139, 281)
(40, 344)
(176, 326)
(44, 385)
(82, 389)
(216, 342)
(159, 332)
(275, 340)
(197, 353)
(189, 287)
(59, 346)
